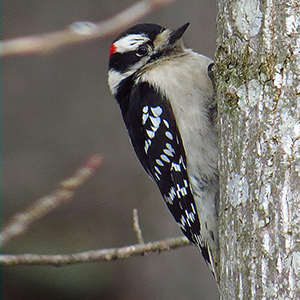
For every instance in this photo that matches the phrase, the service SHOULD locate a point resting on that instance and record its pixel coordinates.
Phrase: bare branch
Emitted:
(136, 227)
(79, 31)
(94, 255)
(21, 221)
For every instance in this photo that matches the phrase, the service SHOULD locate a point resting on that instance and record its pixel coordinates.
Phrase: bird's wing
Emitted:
(158, 145)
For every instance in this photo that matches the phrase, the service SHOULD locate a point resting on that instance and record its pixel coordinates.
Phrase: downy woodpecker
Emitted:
(166, 99)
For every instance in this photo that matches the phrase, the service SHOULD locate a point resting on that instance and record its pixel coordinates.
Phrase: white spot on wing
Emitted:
(175, 167)
(182, 162)
(159, 162)
(155, 121)
(150, 133)
(166, 123)
(199, 240)
(169, 135)
(157, 111)
(165, 158)
(190, 215)
(147, 145)
(193, 208)
(181, 191)
(168, 152)
(157, 170)
(154, 128)
(144, 118)
(171, 196)
(169, 146)
(182, 221)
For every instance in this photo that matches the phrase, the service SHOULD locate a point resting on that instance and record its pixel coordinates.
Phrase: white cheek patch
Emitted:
(114, 78)
(130, 43)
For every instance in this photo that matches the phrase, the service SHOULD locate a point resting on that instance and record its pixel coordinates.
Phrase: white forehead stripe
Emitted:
(130, 42)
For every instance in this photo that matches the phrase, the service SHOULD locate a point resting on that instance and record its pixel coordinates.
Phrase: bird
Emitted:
(166, 96)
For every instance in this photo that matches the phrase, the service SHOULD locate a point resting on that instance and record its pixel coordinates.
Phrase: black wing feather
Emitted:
(157, 142)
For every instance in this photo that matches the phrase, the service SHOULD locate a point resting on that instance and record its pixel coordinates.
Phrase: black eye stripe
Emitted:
(122, 61)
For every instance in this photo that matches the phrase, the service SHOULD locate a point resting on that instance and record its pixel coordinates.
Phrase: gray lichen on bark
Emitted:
(258, 91)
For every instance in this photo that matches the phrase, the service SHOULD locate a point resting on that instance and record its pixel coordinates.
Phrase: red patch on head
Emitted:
(112, 49)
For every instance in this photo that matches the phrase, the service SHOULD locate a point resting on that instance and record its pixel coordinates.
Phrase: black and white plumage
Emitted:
(166, 100)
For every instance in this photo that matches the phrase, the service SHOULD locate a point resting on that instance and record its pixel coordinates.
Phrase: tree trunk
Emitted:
(258, 90)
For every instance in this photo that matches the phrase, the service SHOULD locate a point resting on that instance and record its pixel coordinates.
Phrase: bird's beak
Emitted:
(177, 33)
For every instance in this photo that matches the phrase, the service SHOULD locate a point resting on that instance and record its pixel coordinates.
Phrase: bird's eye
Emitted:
(142, 50)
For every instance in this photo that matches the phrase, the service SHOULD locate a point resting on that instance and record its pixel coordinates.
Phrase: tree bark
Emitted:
(258, 90)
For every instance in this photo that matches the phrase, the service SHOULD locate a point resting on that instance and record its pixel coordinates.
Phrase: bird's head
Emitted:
(138, 46)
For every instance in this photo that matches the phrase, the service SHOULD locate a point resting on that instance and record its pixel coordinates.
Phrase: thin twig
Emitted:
(79, 31)
(136, 227)
(21, 221)
(94, 255)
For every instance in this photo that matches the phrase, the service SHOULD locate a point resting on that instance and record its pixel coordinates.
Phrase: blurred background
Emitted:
(58, 111)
